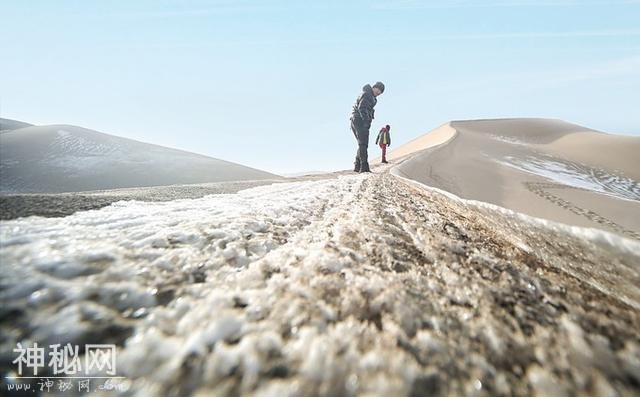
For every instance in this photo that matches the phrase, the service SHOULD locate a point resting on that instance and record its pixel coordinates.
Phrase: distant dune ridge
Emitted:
(542, 167)
(65, 158)
(7, 125)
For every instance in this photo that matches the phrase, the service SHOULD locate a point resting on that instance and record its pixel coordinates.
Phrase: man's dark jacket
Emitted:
(362, 113)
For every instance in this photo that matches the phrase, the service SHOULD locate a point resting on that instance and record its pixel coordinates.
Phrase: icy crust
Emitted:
(361, 285)
(95, 271)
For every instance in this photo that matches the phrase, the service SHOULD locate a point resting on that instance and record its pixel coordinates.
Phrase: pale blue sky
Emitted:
(270, 83)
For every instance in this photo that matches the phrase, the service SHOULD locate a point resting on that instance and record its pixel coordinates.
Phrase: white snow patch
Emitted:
(507, 139)
(577, 175)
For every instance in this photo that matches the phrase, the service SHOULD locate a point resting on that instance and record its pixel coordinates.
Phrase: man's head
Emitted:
(387, 127)
(378, 88)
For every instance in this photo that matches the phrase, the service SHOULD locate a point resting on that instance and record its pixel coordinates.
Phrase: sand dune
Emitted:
(64, 158)
(7, 125)
(435, 137)
(546, 168)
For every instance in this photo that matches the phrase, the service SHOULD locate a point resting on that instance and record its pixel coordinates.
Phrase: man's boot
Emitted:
(364, 167)
(356, 165)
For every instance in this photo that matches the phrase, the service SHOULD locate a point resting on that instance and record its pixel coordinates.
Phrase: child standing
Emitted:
(384, 140)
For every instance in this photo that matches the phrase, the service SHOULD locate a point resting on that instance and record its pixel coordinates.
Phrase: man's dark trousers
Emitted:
(362, 136)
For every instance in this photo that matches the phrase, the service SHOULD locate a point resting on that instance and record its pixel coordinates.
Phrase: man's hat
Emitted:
(379, 86)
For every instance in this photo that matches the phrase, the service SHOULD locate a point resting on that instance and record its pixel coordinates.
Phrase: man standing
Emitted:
(361, 118)
(384, 140)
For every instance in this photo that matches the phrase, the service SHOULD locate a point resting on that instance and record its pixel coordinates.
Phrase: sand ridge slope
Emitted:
(545, 168)
(64, 158)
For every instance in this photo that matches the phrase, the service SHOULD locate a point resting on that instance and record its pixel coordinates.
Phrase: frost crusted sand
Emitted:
(327, 288)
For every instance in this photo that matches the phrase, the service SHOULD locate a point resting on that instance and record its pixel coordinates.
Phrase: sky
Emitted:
(270, 83)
